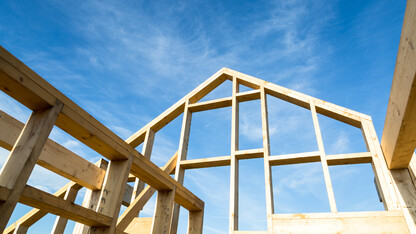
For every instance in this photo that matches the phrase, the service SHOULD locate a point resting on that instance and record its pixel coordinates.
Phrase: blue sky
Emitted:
(125, 62)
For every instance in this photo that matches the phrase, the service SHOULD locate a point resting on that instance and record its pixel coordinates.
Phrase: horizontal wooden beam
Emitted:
(399, 135)
(248, 96)
(341, 222)
(224, 102)
(352, 158)
(54, 157)
(206, 162)
(249, 154)
(309, 157)
(287, 159)
(57, 205)
(209, 105)
(35, 215)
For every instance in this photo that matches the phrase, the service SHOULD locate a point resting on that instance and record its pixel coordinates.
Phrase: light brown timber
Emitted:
(233, 213)
(399, 135)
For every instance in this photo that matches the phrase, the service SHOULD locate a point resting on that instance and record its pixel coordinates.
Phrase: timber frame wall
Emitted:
(106, 181)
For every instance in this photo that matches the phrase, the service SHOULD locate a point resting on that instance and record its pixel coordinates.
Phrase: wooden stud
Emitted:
(324, 163)
(113, 192)
(133, 210)
(233, 218)
(206, 162)
(22, 159)
(147, 152)
(266, 153)
(381, 172)
(162, 219)
(60, 222)
(182, 154)
(195, 222)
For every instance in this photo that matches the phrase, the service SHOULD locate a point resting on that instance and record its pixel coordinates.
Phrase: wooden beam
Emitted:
(287, 159)
(162, 220)
(90, 201)
(249, 154)
(54, 157)
(341, 222)
(266, 155)
(182, 154)
(133, 210)
(206, 162)
(324, 163)
(22, 159)
(407, 194)
(248, 96)
(112, 193)
(399, 135)
(352, 158)
(60, 222)
(147, 152)
(49, 203)
(210, 105)
(35, 215)
(195, 222)
(381, 172)
(233, 215)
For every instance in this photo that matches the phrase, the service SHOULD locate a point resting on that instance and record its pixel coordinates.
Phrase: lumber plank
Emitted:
(381, 172)
(54, 157)
(147, 152)
(133, 210)
(206, 162)
(341, 222)
(266, 155)
(35, 215)
(249, 154)
(141, 225)
(233, 213)
(195, 222)
(248, 96)
(162, 219)
(399, 139)
(22, 159)
(182, 154)
(60, 222)
(324, 162)
(210, 105)
(287, 159)
(112, 193)
(49, 203)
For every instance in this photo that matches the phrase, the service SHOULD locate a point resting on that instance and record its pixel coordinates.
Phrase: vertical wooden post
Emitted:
(379, 165)
(162, 220)
(90, 201)
(233, 222)
(23, 157)
(60, 223)
(147, 152)
(267, 168)
(195, 221)
(324, 163)
(182, 153)
(112, 192)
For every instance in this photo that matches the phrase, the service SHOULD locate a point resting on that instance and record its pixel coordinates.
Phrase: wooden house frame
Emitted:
(106, 181)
